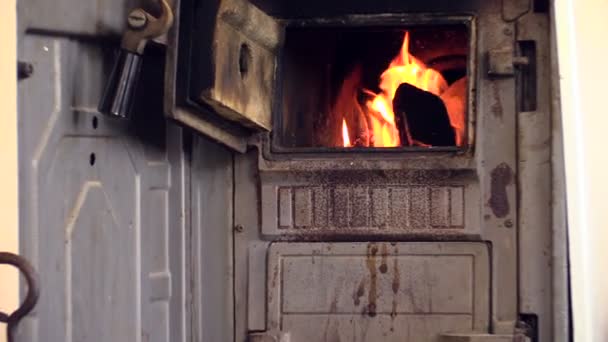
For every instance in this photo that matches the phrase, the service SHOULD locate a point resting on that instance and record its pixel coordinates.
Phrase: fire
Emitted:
(345, 137)
(380, 117)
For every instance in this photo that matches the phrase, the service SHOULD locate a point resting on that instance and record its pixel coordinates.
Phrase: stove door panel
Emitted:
(376, 291)
(221, 74)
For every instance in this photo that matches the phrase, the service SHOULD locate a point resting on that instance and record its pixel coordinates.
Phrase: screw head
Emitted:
(137, 19)
(239, 228)
(508, 223)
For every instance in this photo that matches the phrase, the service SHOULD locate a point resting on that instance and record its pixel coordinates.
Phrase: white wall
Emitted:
(8, 157)
(582, 32)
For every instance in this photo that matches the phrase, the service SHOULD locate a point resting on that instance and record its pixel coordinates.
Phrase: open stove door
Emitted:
(221, 69)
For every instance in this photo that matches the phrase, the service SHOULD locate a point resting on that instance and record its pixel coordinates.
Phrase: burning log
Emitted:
(454, 99)
(348, 109)
(424, 116)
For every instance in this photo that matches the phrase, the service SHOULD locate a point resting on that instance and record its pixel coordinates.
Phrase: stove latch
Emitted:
(502, 62)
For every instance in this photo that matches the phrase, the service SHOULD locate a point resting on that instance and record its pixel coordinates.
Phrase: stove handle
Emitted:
(142, 27)
(33, 292)
(119, 94)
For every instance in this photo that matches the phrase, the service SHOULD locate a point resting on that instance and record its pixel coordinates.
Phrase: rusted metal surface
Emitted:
(31, 298)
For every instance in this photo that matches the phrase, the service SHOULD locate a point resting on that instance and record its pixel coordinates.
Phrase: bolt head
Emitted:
(137, 19)
(24, 70)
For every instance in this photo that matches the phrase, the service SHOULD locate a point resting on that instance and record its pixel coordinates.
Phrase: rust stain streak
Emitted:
(383, 264)
(396, 276)
(360, 292)
(395, 286)
(501, 177)
(372, 251)
(497, 106)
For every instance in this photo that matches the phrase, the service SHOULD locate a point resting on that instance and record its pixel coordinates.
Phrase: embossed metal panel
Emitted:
(101, 202)
(377, 291)
(367, 209)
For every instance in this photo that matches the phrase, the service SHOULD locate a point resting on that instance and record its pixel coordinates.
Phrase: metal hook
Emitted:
(33, 292)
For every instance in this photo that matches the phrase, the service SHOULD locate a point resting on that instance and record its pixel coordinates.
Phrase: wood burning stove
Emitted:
(377, 196)
(372, 86)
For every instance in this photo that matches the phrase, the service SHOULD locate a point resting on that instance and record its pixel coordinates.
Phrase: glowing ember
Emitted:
(378, 109)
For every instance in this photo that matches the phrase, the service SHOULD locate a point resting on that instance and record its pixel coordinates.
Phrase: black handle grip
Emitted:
(119, 93)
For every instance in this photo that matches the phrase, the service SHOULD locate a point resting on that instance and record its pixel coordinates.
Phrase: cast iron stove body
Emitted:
(354, 241)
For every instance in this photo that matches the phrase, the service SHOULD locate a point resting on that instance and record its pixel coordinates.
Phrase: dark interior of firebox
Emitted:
(372, 87)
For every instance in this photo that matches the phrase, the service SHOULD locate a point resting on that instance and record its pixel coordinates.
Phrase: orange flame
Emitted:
(379, 124)
(345, 137)
(404, 68)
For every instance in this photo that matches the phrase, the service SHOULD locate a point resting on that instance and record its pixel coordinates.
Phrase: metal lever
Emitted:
(118, 96)
(33, 291)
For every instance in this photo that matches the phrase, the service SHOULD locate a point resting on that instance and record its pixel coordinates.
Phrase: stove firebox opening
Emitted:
(366, 88)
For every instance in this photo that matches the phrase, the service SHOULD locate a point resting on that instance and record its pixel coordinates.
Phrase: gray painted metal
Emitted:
(210, 244)
(534, 186)
(102, 203)
(559, 256)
